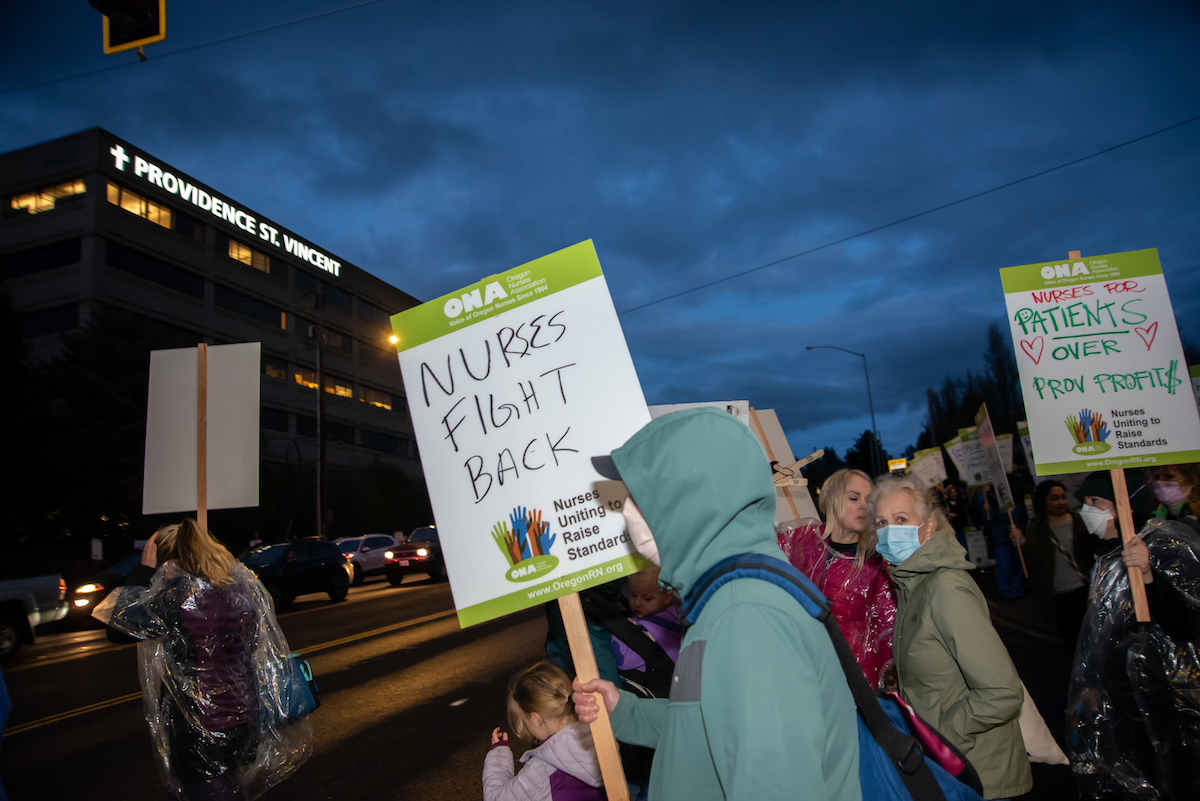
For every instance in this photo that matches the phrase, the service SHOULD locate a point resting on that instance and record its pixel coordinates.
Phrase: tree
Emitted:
(859, 455)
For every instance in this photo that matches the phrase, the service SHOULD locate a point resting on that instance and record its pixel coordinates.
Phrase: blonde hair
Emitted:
(833, 506)
(924, 501)
(196, 551)
(540, 688)
(1191, 474)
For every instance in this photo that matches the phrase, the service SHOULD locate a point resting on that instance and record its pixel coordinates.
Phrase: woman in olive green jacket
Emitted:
(950, 663)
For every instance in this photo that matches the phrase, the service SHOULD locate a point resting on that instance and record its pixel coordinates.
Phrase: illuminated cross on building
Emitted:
(120, 157)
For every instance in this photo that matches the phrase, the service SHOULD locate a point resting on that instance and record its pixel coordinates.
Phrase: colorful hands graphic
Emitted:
(1088, 427)
(528, 537)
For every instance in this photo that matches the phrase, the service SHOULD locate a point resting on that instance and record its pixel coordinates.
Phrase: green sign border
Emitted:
(1149, 460)
(522, 599)
(557, 271)
(1131, 264)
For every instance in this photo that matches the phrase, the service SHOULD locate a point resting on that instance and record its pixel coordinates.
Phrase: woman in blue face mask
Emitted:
(951, 666)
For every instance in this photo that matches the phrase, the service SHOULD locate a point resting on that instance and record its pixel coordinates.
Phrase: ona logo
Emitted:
(469, 301)
(1090, 433)
(1064, 270)
(525, 545)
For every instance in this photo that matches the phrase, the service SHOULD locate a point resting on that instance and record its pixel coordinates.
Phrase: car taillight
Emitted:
(347, 556)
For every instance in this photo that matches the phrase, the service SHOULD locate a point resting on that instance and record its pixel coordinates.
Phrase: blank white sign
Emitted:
(169, 481)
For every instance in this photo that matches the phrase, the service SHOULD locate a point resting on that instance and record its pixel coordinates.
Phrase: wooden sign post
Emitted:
(585, 670)
(202, 436)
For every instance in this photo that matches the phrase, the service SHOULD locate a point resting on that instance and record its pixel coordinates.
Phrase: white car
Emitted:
(366, 554)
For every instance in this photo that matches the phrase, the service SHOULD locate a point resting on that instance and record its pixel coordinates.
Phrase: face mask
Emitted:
(1169, 492)
(639, 531)
(897, 543)
(1095, 519)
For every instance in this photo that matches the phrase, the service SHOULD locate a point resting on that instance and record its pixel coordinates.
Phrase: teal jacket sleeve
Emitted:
(994, 695)
(639, 721)
(768, 710)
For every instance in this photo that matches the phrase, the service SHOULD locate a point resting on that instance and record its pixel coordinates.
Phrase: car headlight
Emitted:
(422, 552)
(82, 602)
(86, 588)
(389, 555)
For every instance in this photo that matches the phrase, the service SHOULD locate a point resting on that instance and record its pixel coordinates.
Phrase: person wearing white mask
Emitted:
(951, 665)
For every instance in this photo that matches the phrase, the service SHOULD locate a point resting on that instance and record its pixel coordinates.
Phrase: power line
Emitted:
(192, 48)
(906, 219)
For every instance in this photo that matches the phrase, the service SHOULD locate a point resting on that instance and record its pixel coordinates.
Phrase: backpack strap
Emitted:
(904, 750)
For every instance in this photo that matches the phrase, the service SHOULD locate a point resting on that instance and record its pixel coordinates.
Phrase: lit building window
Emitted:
(249, 256)
(136, 204)
(338, 386)
(274, 368)
(306, 378)
(37, 202)
(376, 398)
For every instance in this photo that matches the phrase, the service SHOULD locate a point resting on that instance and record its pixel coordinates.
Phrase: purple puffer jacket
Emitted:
(862, 600)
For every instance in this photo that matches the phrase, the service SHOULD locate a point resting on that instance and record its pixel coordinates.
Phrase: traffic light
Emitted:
(130, 24)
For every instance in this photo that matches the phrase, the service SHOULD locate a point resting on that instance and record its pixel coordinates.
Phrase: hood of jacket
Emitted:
(571, 751)
(703, 482)
(939, 551)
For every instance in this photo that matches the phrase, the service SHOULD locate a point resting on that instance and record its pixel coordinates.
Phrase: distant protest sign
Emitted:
(514, 383)
(976, 467)
(928, 466)
(1101, 363)
(995, 462)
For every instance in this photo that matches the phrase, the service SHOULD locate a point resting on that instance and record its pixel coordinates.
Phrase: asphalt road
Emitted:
(408, 702)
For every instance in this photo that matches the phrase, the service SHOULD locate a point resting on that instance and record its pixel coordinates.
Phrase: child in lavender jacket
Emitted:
(563, 766)
(656, 614)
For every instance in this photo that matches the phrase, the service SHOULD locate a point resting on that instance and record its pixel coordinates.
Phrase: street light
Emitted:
(875, 466)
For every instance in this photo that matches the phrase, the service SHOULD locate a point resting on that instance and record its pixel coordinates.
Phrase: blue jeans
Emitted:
(1008, 568)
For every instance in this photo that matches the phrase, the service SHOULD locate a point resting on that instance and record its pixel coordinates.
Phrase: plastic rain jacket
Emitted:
(862, 601)
(759, 705)
(953, 668)
(1134, 704)
(210, 663)
(564, 768)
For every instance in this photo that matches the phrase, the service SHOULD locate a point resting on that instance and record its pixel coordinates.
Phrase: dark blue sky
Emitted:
(432, 144)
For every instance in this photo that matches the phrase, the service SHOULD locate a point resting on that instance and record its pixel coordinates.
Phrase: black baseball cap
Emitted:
(606, 467)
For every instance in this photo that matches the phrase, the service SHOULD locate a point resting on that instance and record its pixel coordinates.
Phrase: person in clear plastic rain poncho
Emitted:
(1133, 727)
(211, 658)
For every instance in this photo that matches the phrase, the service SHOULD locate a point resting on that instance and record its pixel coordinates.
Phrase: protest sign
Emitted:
(739, 409)
(1194, 371)
(1005, 443)
(955, 450)
(1097, 347)
(897, 464)
(928, 466)
(993, 460)
(513, 384)
(228, 419)
(1026, 446)
(977, 550)
(792, 502)
(976, 469)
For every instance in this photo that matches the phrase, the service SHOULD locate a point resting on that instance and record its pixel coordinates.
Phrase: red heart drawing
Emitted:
(1036, 343)
(1147, 334)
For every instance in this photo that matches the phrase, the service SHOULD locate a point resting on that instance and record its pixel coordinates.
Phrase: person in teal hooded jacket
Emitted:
(759, 705)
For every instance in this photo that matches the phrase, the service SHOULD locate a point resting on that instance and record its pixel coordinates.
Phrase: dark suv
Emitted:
(421, 554)
(288, 569)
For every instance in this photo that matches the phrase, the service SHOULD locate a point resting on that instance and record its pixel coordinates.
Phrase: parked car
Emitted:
(421, 554)
(300, 567)
(366, 554)
(26, 603)
(89, 589)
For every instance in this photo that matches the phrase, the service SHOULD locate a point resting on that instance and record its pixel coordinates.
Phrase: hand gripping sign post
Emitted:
(513, 384)
(1102, 370)
(189, 463)
(995, 468)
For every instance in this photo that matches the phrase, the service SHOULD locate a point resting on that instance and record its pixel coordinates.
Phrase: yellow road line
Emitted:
(34, 724)
(24, 727)
(66, 658)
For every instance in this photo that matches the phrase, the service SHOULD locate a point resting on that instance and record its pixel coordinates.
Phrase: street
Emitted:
(408, 700)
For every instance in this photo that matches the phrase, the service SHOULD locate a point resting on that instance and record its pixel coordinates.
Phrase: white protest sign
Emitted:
(1194, 370)
(955, 449)
(1005, 443)
(977, 550)
(995, 462)
(739, 409)
(1102, 367)
(975, 470)
(791, 502)
(169, 480)
(928, 466)
(514, 383)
